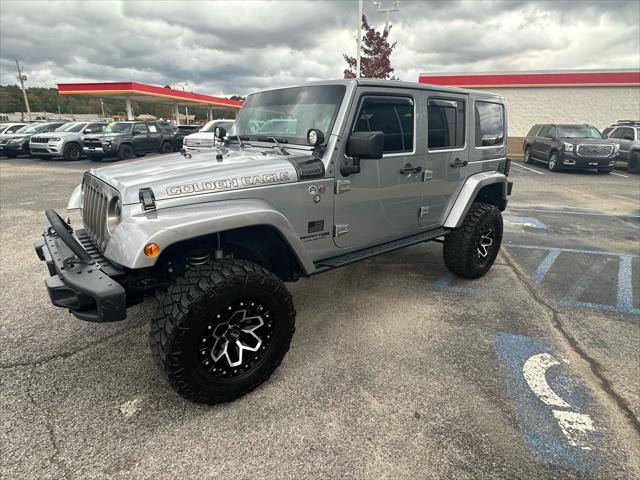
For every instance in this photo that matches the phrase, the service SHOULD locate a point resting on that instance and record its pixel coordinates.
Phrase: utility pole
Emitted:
(359, 38)
(395, 8)
(22, 78)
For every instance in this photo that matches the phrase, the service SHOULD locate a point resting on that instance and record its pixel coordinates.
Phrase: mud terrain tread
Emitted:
(173, 306)
(458, 246)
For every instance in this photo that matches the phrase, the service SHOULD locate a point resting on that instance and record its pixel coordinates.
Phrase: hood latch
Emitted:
(147, 199)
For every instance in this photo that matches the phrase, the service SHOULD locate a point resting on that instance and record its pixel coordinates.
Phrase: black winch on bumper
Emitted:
(81, 278)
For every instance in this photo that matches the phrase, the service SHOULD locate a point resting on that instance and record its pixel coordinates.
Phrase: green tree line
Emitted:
(47, 100)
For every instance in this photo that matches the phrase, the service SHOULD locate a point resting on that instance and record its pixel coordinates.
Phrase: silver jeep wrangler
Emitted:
(310, 178)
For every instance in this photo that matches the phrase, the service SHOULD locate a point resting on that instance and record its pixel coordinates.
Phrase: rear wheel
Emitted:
(527, 155)
(125, 152)
(72, 152)
(166, 147)
(221, 330)
(553, 162)
(634, 162)
(470, 250)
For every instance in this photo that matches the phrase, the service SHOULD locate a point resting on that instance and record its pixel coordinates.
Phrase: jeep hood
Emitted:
(173, 176)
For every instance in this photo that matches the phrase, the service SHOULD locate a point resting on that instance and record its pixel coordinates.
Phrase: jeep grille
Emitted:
(39, 140)
(590, 150)
(96, 196)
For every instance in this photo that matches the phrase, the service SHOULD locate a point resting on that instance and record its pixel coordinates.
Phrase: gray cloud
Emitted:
(237, 47)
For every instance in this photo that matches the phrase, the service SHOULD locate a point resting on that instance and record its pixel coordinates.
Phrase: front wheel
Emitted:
(125, 152)
(221, 330)
(553, 162)
(470, 250)
(633, 166)
(72, 152)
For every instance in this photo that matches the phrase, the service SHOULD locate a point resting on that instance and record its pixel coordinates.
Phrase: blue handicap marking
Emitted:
(552, 408)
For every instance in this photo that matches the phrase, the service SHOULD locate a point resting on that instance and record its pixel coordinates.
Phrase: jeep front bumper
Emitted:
(84, 287)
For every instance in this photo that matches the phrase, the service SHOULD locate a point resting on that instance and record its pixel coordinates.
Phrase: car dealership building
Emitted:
(596, 97)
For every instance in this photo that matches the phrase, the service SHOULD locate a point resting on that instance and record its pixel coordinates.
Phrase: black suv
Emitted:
(569, 146)
(124, 140)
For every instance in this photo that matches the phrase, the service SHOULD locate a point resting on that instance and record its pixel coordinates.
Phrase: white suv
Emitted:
(205, 137)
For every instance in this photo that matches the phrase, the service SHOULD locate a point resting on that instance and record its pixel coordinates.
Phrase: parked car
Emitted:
(65, 142)
(626, 134)
(569, 146)
(183, 131)
(17, 143)
(124, 140)
(7, 128)
(372, 166)
(205, 137)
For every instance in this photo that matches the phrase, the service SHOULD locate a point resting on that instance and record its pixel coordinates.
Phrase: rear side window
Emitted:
(445, 127)
(546, 132)
(140, 128)
(393, 117)
(489, 119)
(534, 131)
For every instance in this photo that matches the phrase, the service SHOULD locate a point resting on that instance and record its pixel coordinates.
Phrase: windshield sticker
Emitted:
(228, 183)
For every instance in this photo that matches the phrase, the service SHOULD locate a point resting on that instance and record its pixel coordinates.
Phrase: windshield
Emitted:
(211, 126)
(579, 131)
(33, 128)
(71, 127)
(118, 127)
(289, 113)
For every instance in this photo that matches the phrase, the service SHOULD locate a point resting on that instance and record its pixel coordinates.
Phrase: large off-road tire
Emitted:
(470, 250)
(221, 330)
(125, 152)
(633, 164)
(166, 147)
(554, 162)
(72, 152)
(527, 156)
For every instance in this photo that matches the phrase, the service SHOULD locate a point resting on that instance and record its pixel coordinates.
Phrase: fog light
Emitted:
(151, 250)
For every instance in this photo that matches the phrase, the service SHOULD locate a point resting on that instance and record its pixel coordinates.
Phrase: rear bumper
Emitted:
(87, 290)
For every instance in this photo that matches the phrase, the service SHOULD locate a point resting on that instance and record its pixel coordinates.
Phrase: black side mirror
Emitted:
(220, 133)
(362, 146)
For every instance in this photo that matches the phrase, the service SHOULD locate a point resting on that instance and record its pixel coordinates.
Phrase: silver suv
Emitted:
(314, 177)
(205, 137)
(626, 134)
(65, 142)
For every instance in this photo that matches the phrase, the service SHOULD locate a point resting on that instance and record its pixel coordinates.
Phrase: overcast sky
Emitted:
(226, 48)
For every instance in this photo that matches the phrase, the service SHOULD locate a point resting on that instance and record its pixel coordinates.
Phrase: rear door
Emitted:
(447, 153)
(381, 202)
(623, 136)
(155, 137)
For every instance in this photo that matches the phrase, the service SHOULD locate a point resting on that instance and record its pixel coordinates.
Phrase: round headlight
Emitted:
(114, 214)
(315, 137)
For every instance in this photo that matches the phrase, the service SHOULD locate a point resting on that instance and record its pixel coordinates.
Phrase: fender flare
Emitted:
(168, 226)
(75, 200)
(468, 193)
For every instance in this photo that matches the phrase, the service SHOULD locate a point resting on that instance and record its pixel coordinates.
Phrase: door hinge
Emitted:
(427, 175)
(340, 229)
(423, 212)
(343, 186)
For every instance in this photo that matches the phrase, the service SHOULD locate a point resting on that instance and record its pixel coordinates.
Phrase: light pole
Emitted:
(22, 78)
(395, 8)
(359, 42)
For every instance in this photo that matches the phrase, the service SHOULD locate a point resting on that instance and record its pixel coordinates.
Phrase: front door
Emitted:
(381, 202)
(140, 138)
(447, 154)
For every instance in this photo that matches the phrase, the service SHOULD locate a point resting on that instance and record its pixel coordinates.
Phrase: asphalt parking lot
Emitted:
(397, 369)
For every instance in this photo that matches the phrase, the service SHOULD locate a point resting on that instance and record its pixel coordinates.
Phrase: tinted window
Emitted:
(53, 127)
(534, 131)
(445, 123)
(546, 132)
(94, 128)
(140, 128)
(578, 131)
(393, 117)
(489, 124)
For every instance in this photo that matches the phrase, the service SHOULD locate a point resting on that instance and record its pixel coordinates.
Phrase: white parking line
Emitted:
(619, 175)
(527, 168)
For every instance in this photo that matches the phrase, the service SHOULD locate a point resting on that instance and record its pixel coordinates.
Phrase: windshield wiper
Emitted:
(277, 141)
(239, 138)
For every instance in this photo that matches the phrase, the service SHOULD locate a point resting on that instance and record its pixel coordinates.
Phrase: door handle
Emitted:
(409, 169)
(458, 163)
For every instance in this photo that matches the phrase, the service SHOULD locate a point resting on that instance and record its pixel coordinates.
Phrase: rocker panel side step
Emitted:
(339, 261)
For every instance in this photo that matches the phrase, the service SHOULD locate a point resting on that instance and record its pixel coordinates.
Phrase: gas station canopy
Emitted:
(141, 92)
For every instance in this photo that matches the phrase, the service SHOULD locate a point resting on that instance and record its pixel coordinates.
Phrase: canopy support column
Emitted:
(129, 109)
(176, 114)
